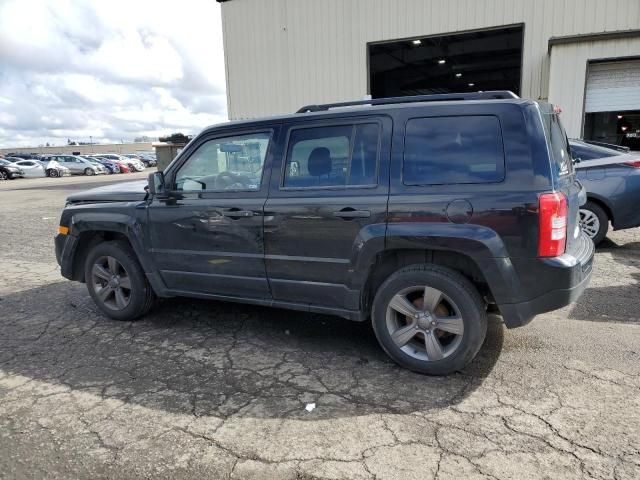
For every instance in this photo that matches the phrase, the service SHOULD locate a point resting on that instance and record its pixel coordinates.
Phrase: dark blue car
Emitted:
(612, 180)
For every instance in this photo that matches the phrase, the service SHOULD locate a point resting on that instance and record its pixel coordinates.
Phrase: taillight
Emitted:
(553, 224)
(634, 164)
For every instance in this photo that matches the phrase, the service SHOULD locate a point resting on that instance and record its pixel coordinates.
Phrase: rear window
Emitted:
(453, 150)
(557, 141)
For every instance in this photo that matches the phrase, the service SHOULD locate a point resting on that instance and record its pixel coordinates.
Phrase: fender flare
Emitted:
(479, 243)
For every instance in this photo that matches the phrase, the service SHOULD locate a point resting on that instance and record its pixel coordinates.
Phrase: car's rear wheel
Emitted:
(89, 171)
(116, 281)
(3, 175)
(594, 221)
(429, 319)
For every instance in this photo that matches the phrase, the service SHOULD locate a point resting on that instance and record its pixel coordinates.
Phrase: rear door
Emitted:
(328, 196)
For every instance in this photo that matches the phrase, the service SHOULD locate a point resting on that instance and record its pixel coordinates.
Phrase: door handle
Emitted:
(352, 213)
(237, 213)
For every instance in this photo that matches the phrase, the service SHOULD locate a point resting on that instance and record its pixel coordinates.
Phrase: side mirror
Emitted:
(156, 183)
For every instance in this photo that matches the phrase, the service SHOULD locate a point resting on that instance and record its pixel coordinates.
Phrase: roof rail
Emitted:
(441, 97)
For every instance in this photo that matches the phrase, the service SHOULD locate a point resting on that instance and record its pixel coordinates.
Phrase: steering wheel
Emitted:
(229, 179)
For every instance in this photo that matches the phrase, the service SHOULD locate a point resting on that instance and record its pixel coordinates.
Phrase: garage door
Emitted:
(613, 86)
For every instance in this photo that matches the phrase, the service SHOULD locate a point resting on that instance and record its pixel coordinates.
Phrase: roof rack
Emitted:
(441, 97)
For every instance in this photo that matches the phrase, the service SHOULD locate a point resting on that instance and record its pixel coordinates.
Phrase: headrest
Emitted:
(319, 161)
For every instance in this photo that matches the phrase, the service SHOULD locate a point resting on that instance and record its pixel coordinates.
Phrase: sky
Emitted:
(108, 70)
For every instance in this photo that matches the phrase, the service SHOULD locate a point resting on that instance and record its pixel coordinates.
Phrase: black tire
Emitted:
(455, 286)
(89, 171)
(3, 175)
(52, 172)
(141, 296)
(603, 221)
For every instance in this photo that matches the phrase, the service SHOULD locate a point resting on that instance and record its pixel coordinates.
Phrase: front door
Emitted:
(206, 237)
(329, 197)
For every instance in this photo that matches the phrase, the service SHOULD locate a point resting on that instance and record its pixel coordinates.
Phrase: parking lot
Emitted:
(213, 390)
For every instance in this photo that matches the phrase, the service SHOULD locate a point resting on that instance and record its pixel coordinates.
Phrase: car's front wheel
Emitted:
(594, 221)
(116, 281)
(89, 171)
(429, 319)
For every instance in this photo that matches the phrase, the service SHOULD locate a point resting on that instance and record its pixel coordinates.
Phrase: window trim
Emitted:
(176, 171)
(339, 123)
(404, 144)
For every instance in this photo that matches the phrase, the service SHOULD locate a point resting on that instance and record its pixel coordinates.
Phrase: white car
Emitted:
(31, 168)
(54, 169)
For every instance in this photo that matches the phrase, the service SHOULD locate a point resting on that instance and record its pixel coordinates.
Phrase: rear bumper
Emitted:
(565, 279)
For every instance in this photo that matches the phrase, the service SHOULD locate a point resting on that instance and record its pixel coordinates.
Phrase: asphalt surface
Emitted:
(212, 390)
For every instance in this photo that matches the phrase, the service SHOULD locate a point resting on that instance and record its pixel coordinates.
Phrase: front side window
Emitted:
(332, 156)
(453, 150)
(225, 164)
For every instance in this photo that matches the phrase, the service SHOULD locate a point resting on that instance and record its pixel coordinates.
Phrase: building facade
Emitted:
(583, 55)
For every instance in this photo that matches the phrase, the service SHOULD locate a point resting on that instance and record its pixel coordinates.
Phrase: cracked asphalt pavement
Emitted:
(211, 390)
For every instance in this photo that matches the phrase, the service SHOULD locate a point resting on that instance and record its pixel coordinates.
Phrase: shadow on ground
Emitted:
(210, 358)
(617, 303)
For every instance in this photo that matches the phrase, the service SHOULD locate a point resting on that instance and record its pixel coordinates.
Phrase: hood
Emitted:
(117, 192)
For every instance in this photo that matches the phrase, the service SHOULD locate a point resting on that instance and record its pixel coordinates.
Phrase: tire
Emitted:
(89, 171)
(3, 175)
(594, 221)
(465, 314)
(52, 172)
(140, 296)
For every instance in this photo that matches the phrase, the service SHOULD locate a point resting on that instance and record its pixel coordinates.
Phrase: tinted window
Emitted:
(332, 156)
(560, 147)
(448, 150)
(230, 163)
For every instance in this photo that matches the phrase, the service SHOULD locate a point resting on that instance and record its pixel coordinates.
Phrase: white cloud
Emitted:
(108, 69)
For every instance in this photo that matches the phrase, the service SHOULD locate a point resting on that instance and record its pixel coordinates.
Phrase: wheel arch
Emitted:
(602, 202)
(390, 261)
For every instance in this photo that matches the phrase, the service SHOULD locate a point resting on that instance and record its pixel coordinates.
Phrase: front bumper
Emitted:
(565, 278)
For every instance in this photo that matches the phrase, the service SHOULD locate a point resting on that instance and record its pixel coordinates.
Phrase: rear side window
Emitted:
(452, 150)
(559, 145)
(332, 156)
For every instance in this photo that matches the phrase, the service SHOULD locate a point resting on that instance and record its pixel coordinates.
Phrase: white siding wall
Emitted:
(281, 54)
(569, 73)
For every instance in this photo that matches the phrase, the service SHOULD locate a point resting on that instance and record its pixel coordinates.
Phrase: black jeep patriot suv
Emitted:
(419, 213)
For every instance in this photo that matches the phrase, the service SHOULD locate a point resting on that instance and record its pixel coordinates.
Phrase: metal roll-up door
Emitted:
(613, 86)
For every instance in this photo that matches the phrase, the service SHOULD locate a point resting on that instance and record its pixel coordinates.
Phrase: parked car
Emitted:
(31, 168)
(80, 166)
(134, 165)
(123, 167)
(612, 180)
(145, 159)
(8, 170)
(110, 167)
(472, 207)
(54, 169)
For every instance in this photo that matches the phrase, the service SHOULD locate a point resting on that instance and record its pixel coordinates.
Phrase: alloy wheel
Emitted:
(589, 223)
(3, 175)
(111, 283)
(424, 323)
